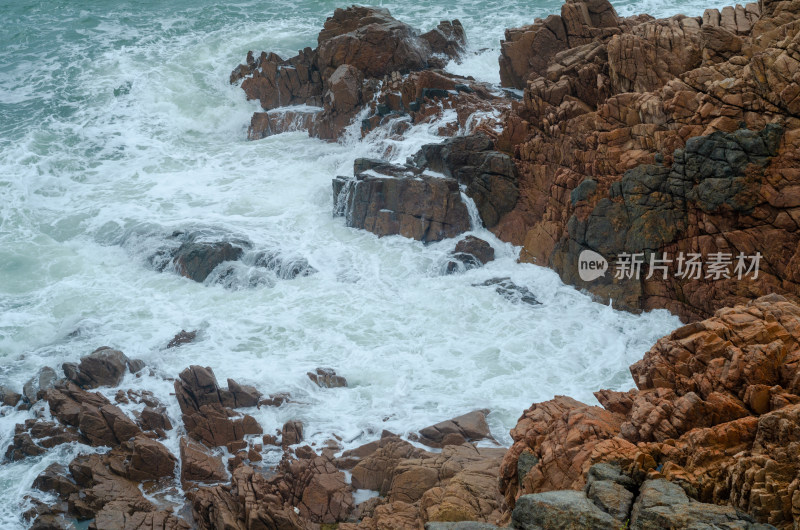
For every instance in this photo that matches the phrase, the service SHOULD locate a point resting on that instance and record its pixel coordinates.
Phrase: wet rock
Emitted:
(327, 378)
(423, 208)
(275, 400)
(103, 367)
(468, 427)
(285, 267)
(45, 379)
(292, 433)
(511, 291)
(463, 525)
(196, 260)
(184, 337)
(243, 395)
(206, 410)
(489, 176)
(155, 419)
(281, 120)
(34, 437)
(8, 397)
(470, 252)
(198, 465)
(448, 39)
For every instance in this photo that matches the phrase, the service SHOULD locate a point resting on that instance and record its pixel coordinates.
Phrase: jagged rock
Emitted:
(489, 176)
(155, 419)
(54, 479)
(206, 408)
(716, 412)
(292, 433)
(103, 367)
(198, 465)
(470, 252)
(327, 378)
(196, 260)
(33, 389)
(468, 427)
(184, 337)
(34, 437)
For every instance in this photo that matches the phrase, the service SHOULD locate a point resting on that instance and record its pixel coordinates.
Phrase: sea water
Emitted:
(118, 127)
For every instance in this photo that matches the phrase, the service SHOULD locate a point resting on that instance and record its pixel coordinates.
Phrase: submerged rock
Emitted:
(471, 252)
(327, 378)
(511, 291)
(183, 337)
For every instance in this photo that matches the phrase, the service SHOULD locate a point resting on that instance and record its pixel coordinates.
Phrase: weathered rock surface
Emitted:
(207, 408)
(103, 367)
(470, 427)
(327, 378)
(716, 413)
(647, 136)
(356, 48)
(391, 200)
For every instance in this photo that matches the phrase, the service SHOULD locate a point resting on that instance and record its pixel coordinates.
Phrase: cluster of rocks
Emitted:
(715, 419)
(423, 199)
(708, 439)
(675, 135)
(360, 61)
(211, 256)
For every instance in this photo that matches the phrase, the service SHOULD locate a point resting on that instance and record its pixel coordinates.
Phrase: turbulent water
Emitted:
(118, 127)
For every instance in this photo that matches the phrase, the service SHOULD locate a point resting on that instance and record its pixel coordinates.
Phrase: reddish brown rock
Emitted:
(198, 465)
(613, 143)
(716, 411)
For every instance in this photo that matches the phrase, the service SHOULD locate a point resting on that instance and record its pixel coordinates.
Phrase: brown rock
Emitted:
(198, 465)
(292, 433)
(468, 427)
(327, 378)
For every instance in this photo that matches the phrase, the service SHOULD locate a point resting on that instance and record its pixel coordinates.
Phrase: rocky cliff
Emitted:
(658, 138)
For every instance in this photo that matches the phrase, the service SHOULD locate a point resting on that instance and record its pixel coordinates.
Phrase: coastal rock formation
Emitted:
(716, 411)
(356, 48)
(658, 138)
(388, 200)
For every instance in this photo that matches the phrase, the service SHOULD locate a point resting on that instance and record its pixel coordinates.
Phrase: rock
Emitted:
(45, 379)
(196, 260)
(327, 378)
(8, 397)
(292, 433)
(663, 504)
(470, 252)
(357, 47)
(489, 176)
(275, 400)
(468, 427)
(103, 367)
(184, 337)
(100, 422)
(511, 291)
(561, 510)
(712, 422)
(423, 208)
(34, 437)
(463, 525)
(155, 419)
(54, 479)
(197, 465)
(206, 408)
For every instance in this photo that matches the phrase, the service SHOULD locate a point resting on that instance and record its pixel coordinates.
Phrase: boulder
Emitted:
(470, 252)
(103, 367)
(44, 379)
(468, 427)
(183, 337)
(34, 437)
(292, 433)
(198, 465)
(560, 510)
(327, 378)
(422, 207)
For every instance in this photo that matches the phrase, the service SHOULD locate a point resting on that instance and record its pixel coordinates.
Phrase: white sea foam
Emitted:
(125, 129)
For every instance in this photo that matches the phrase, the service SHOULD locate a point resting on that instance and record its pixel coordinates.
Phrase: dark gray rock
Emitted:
(184, 337)
(611, 497)
(196, 260)
(525, 463)
(490, 176)
(511, 291)
(664, 505)
(560, 510)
